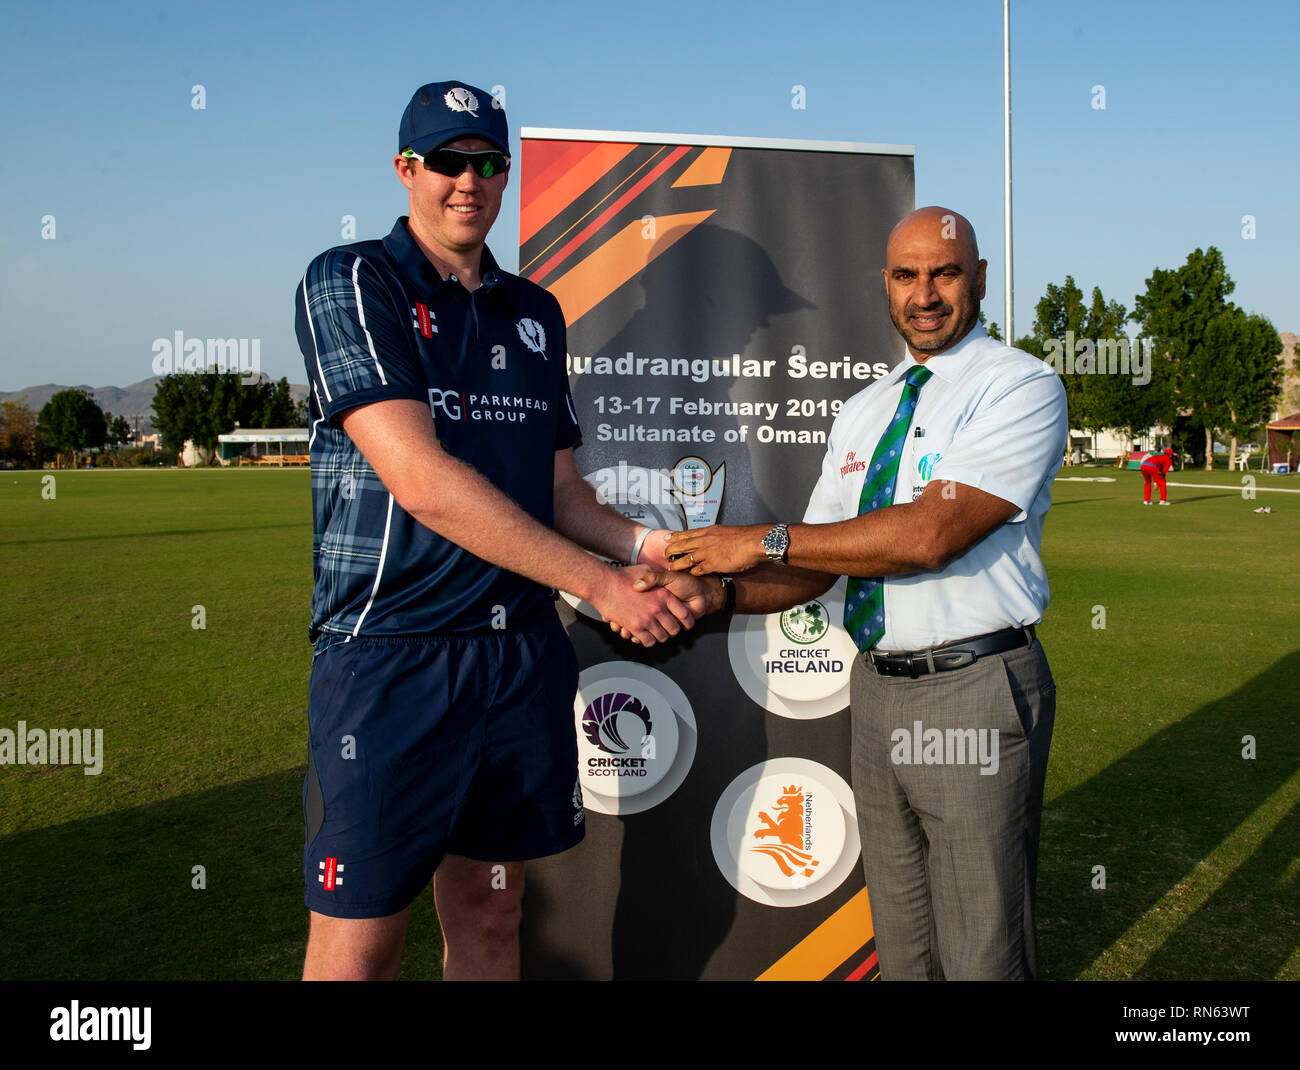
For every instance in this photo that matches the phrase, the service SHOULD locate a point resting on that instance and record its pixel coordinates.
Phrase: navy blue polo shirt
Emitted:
(375, 321)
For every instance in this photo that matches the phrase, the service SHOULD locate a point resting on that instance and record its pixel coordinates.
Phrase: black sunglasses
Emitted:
(451, 162)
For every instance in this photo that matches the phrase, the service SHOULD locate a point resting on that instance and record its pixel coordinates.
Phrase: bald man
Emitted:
(931, 500)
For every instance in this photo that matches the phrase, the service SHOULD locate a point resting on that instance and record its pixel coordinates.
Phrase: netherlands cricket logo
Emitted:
(461, 99)
(533, 335)
(791, 828)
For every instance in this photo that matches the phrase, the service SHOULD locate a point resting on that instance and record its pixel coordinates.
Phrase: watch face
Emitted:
(776, 541)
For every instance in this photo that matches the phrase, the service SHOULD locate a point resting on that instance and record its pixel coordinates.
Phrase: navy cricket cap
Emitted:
(444, 111)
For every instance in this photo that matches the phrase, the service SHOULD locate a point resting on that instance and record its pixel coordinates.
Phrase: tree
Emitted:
(276, 409)
(1242, 365)
(119, 431)
(1130, 396)
(73, 421)
(21, 440)
(1175, 313)
(200, 406)
(1059, 315)
(991, 329)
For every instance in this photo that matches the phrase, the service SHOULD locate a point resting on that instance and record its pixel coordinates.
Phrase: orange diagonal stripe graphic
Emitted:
(568, 187)
(827, 946)
(598, 207)
(706, 169)
(590, 281)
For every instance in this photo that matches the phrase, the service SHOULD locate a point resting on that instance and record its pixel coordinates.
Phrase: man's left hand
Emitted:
(717, 549)
(654, 551)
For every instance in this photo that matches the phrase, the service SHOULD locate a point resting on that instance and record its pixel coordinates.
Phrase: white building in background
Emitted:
(1112, 443)
(265, 446)
(193, 457)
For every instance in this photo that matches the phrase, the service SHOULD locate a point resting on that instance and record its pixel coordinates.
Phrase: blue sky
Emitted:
(169, 218)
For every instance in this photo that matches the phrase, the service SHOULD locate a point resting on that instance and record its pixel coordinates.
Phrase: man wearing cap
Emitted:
(445, 498)
(939, 533)
(1155, 466)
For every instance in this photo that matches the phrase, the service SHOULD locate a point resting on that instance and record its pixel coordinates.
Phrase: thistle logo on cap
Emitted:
(461, 99)
(442, 112)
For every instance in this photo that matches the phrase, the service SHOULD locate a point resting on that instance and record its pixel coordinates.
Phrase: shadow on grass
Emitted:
(153, 533)
(1153, 816)
(1180, 500)
(110, 898)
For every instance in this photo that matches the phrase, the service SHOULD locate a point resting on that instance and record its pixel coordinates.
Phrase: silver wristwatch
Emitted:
(775, 543)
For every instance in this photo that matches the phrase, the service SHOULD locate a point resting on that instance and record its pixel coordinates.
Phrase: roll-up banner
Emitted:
(723, 300)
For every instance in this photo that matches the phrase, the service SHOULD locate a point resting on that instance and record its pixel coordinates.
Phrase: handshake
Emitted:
(671, 586)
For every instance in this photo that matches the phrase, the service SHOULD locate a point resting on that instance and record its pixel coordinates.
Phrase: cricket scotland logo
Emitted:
(805, 624)
(461, 99)
(605, 718)
(533, 335)
(636, 737)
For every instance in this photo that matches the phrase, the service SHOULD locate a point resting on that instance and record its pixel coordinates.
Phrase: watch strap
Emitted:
(728, 594)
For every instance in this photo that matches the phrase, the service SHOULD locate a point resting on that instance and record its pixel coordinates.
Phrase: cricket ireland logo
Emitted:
(805, 624)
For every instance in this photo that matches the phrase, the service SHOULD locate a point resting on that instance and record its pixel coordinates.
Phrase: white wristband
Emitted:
(640, 541)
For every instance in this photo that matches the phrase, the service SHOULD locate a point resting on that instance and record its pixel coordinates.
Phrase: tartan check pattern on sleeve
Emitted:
(353, 511)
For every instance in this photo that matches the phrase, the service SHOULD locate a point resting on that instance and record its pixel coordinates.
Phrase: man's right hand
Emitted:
(646, 614)
(701, 595)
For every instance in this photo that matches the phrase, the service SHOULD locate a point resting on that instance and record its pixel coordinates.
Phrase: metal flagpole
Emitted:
(1006, 166)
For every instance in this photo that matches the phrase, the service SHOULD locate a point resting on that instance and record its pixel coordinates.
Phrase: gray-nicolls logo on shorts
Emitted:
(580, 814)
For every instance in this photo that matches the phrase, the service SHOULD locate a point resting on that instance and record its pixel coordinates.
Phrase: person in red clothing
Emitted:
(1154, 466)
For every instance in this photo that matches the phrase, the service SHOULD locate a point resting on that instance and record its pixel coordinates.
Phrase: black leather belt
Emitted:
(954, 655)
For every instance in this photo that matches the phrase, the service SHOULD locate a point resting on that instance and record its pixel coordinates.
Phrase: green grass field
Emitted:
(205, 729)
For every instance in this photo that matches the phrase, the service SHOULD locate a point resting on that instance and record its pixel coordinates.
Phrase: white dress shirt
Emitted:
(990, 417)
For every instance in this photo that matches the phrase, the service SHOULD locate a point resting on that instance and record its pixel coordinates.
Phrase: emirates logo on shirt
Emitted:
(851, 465)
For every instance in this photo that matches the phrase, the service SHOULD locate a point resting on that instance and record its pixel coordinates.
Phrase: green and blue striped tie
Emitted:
(864, 601)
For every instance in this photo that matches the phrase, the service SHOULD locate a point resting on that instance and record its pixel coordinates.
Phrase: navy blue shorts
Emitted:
(422, 747)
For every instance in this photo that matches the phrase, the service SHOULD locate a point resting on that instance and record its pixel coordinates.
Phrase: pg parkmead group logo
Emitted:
(805, 624)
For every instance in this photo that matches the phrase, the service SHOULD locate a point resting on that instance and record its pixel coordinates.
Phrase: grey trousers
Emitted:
(949, 818)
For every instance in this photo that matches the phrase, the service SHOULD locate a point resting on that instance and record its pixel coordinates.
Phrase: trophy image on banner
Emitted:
(688, 497)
